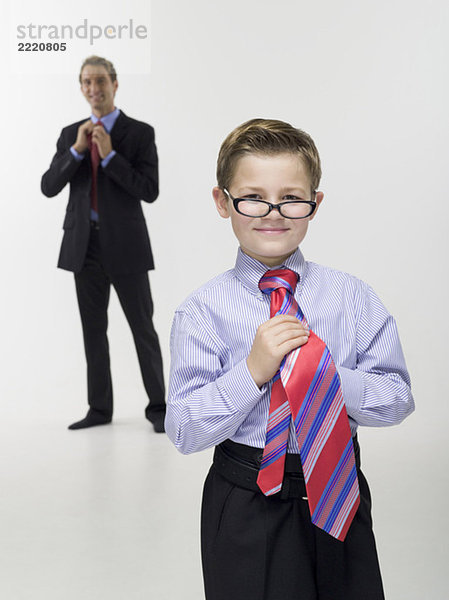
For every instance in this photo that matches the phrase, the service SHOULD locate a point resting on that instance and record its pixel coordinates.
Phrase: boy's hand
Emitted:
(274, 339)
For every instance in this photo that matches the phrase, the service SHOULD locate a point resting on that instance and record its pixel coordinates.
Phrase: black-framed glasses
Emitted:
(290, 209)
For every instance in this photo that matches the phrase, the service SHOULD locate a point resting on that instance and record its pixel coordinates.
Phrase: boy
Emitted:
(276, 362)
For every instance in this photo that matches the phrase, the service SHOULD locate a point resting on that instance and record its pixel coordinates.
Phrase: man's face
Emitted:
(98, 89)
(274, 178)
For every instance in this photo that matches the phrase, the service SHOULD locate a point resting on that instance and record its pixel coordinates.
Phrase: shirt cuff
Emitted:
(107, 158)
(352, 388)
(76, 154)
(238, 386)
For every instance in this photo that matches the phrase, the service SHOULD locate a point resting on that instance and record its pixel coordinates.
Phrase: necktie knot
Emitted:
(278, 278)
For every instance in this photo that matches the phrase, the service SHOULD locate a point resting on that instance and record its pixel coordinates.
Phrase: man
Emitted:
(111, 163)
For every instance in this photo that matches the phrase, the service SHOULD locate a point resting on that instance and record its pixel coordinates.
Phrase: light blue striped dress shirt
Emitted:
(212, 396)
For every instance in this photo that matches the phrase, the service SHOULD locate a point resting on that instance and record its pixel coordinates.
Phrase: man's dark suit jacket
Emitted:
(129, 177)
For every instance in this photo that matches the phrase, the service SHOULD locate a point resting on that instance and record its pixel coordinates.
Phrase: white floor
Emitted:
(113, 512)
(110, 512)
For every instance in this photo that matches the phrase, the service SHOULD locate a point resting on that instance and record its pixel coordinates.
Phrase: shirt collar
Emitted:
(249, 270)
(107, 120)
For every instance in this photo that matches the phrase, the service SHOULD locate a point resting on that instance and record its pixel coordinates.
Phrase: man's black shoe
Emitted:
(90, 420)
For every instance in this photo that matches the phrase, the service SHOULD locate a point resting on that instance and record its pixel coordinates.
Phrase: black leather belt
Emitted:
(240, 464)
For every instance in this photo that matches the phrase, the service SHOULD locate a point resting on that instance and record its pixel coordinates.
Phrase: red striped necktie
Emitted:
(307, 389)
(95, 161)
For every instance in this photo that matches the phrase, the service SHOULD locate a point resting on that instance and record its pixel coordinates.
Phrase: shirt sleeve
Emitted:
(205, 405)
(106, 159)
(76, 155)
(377, 389)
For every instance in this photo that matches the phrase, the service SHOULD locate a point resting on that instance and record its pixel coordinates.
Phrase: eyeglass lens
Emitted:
(292, 210)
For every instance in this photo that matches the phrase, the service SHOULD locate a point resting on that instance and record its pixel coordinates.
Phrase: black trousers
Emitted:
(265, 548)
(93, 286)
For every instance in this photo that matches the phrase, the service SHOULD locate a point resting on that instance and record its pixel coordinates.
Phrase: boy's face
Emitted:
(274, 178)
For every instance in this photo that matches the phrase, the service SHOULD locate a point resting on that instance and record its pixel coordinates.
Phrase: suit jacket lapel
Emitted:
(120, 128)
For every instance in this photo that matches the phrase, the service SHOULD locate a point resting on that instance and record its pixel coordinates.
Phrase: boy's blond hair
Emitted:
(266, 136)
(99, 61)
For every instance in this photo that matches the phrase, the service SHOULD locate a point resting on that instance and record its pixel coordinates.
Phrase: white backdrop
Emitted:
(368, 80)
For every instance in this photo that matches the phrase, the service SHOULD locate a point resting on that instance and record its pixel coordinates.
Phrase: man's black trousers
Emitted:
(93, 286)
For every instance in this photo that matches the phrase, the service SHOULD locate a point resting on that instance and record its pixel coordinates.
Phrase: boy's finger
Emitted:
(297, 327)
(293, 335)
(292, 344)
(280, 318)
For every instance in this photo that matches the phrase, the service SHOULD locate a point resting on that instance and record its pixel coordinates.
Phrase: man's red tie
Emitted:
(307, 389)
(95, 161)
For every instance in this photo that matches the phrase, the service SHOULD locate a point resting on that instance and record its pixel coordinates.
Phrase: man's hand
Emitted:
(102, 139)
(84, 130)
(274, 339)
